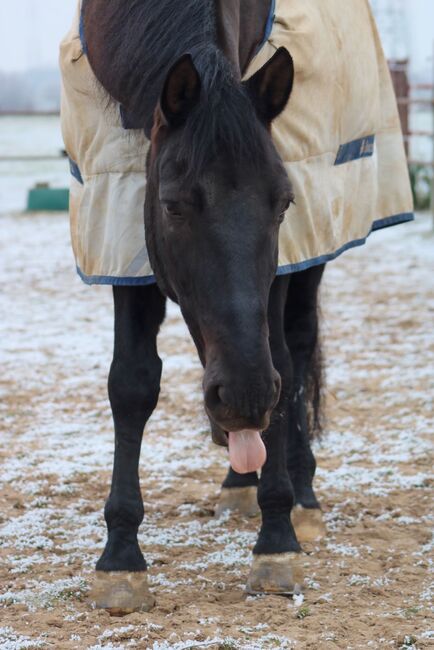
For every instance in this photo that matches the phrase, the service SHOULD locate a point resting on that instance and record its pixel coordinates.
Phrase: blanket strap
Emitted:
(269, 25)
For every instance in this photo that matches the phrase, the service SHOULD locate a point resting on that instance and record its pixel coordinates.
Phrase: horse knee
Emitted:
(134, 388)
(275, 493)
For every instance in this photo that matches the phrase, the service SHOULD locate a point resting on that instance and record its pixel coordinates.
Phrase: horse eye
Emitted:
(284, 207)
(172, 209)
(282, 210)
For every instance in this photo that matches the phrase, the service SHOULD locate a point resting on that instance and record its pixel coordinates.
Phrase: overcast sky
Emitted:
(31, 29)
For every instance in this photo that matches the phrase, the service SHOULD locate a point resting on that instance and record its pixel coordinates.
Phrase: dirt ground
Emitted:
(368, 584)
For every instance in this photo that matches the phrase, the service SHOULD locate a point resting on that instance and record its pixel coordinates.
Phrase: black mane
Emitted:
(144, 38)
(224, 121)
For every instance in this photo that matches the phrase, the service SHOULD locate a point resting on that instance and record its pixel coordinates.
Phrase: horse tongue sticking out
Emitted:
(246, 451)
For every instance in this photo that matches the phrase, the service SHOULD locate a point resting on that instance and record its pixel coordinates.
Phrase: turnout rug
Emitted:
(339, 137)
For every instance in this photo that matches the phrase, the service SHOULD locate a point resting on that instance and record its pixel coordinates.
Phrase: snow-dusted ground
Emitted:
(367, 584)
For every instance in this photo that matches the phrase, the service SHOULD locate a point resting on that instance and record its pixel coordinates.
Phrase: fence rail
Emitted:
(406, 101)
(29, 113)
(420, 134)
(42, 157)
(31, 158)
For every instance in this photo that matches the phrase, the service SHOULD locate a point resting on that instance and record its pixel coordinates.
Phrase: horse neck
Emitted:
(124, 62)
(240, 29)
(132, 70)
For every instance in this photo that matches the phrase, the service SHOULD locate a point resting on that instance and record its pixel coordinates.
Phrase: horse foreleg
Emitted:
(134, 384)
(276, 565)
(301, 330)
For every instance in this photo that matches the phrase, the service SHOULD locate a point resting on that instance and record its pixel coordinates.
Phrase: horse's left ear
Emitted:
(270, 87)
(181, 91)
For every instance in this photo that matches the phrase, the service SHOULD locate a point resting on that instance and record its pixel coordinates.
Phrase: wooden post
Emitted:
(399, 72)
(432, 140)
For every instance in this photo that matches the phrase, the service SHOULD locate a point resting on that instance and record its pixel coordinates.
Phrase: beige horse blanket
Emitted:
(339, 137)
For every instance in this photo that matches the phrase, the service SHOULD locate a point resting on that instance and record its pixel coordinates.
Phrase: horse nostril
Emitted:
(221, 392)
(213, 396)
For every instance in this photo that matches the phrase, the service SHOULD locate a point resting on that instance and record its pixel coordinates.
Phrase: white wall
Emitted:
(30, 31)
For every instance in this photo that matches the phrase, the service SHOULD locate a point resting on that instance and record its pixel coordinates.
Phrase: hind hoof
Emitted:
(122, 592)
(308, 524)
(280, 574)
(243, 500)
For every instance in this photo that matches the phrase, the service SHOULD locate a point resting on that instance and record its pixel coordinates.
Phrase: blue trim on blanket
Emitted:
(392, 221)
(361, 148)
(269, 25)
(117, 282)
(377, 225)
(81, 32)
(282, 270)
(75, 171)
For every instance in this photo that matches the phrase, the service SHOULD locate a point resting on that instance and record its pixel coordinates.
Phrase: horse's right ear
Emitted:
(181, 91)
(270, 87)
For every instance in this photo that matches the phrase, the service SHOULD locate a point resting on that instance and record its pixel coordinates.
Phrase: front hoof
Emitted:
(308, 524)
(243, 500)
(280, 573)
(122, 592)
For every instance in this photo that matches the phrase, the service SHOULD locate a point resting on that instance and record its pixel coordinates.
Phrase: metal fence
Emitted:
(411, 97)
(414, 99)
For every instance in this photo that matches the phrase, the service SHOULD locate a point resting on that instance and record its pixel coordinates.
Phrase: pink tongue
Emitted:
(246, 451)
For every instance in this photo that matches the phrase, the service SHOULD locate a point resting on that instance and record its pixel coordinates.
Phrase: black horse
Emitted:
(216, 195)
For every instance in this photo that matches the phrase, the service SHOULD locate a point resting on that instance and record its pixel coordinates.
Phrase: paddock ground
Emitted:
(368, 584)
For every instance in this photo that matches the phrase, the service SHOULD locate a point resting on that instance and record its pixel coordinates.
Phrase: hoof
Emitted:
(308, 524)
(280, 574)
(243, 500)
(122, 592)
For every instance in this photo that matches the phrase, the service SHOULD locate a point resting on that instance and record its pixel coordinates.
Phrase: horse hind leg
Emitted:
(120, 584)
(301, 330)
(238, 494)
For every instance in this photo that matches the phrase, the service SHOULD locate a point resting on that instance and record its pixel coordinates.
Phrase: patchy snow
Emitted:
(46, 595)
(229, 643)
(9, 640)
(298, 599)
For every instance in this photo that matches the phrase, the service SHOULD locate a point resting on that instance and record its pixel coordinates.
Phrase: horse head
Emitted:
(217, 194)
